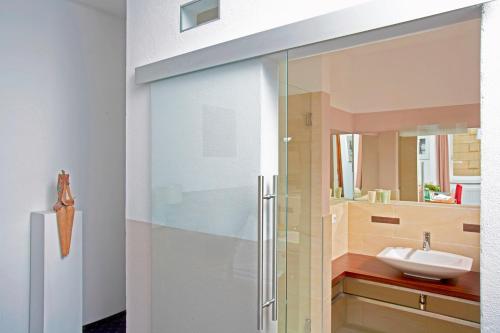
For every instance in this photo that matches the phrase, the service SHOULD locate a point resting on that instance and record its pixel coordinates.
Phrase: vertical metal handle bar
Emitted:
(275, 250)
(261, 303)
(260, 253)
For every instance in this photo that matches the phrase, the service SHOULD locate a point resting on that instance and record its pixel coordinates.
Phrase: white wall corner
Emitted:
(490, 191)
(139, 255)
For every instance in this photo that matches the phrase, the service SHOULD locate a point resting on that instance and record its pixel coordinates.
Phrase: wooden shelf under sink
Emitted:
(370, 268)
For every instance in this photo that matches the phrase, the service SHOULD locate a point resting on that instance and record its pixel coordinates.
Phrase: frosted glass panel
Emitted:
(213, 133)
(206, 150)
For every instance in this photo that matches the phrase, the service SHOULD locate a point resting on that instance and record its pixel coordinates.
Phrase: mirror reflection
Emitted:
(429, 164)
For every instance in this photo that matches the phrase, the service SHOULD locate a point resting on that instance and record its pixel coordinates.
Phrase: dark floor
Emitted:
(113, 324)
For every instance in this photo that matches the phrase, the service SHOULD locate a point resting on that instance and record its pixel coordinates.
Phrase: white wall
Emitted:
(61, 106)
(490, 154)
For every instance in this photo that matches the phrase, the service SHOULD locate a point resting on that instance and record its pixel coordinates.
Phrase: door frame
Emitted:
(354, 26)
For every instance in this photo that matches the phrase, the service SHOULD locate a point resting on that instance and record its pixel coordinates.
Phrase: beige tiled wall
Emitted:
(445, 223)
(355, 233)
(308, 299)
(339, 209)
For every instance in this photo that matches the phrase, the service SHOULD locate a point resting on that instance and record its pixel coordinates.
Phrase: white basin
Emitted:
(431, 264)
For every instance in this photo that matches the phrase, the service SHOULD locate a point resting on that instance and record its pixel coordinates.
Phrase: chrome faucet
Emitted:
(427, 241)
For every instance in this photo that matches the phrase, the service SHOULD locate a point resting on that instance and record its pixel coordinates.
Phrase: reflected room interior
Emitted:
(428, 164)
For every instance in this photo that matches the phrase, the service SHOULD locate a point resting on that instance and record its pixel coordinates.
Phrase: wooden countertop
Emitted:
(370, 268)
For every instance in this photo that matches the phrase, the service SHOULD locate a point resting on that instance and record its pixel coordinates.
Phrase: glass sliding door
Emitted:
(214, 158)
(231, 236)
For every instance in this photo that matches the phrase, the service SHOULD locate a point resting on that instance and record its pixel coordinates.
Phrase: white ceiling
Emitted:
(113, 7)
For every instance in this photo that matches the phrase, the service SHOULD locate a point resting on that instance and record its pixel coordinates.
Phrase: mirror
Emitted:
(430, 163)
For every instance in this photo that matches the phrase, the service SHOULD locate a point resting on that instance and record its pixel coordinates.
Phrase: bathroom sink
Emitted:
(431, 264)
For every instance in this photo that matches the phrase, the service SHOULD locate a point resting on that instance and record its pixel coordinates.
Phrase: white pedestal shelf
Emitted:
(55, 282)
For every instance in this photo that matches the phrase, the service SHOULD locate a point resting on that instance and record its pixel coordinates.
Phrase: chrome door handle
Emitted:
(275, 250)
(261, 304)
(260, 254)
